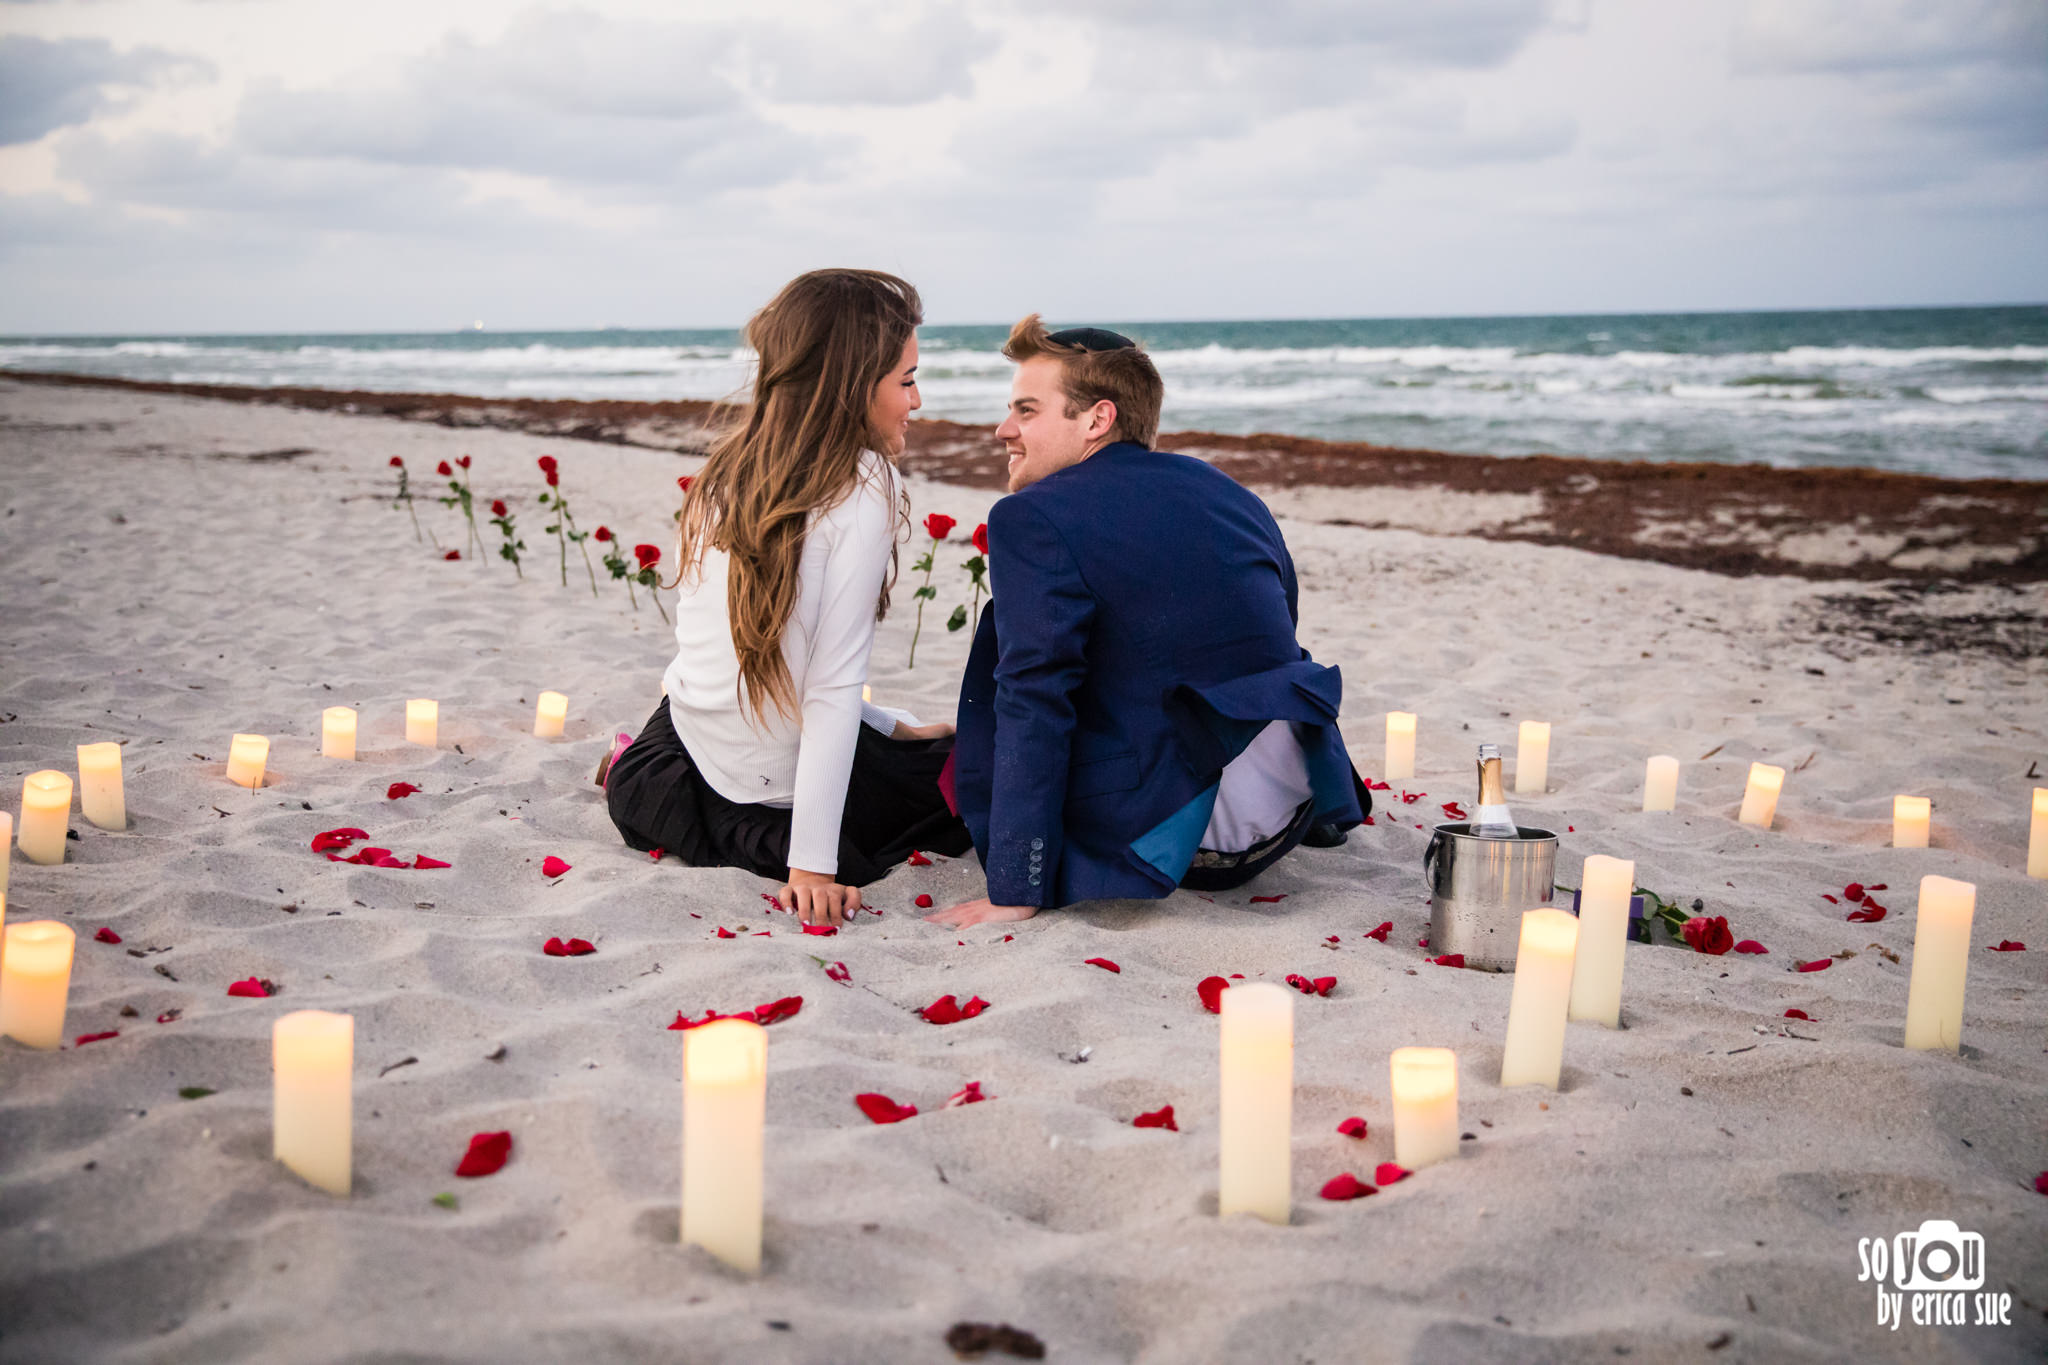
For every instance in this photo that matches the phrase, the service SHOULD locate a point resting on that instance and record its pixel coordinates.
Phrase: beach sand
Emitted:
(179, 569)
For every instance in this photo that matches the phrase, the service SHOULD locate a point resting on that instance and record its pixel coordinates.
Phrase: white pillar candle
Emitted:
(1534, 1054)
(35, 979)
(1532, 759)
(1425, 1090)
(45, 816)
(1256, 1121)
(1941, 960)
(338, 732)
(1910, 818)
(725, 1101)
(1660, 784)
(1604, 891)
(1400, 745)
(423, 722)
(1760, 800)
(2037, 839)
(246, 756)
(549, 715)
(6, 853)
(312, 1060)
(99, 785)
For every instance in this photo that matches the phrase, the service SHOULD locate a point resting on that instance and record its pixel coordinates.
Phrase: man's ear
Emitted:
(1101, 419)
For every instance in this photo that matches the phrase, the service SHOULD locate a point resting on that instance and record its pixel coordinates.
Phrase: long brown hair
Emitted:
(824, 342)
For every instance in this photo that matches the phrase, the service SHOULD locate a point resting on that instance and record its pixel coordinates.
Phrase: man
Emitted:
(1136, 713)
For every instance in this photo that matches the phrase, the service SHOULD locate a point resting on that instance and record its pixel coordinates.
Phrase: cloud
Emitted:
(914, 56)
(1776, 36)
(47, 84)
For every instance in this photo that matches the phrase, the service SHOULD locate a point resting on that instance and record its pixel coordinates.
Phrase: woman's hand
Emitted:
(938, 729)
(817, 898)
(970, 913)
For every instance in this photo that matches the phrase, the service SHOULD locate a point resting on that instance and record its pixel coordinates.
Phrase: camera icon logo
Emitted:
(1938, 1256)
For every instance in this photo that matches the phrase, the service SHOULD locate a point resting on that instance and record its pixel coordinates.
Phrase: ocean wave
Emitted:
(1895, 358)
(2032, 393)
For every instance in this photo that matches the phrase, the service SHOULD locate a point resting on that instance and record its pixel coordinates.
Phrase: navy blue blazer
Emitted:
(1140, 635)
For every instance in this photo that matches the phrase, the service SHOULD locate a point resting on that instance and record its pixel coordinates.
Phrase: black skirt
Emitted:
(658, 799)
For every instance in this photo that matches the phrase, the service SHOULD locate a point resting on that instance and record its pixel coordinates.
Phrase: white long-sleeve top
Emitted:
(803, 763)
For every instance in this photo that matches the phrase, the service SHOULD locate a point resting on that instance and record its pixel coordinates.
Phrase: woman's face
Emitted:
(895, 398)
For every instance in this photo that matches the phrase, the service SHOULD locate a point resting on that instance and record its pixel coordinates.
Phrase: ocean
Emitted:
(1959, 392)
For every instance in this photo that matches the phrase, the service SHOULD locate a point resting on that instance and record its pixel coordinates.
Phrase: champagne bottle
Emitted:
(1490, 819)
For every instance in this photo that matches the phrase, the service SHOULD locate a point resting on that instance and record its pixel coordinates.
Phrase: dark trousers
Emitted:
(658, 799)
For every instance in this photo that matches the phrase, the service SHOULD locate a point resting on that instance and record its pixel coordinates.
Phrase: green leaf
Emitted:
(927, 593)
(193, 1092)
(957, 619)
(446, 1200)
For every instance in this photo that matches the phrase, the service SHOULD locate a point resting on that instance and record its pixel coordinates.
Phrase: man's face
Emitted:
(1039, 436)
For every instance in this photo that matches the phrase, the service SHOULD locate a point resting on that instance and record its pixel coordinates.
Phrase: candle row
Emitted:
(1569, 967)
(338, 731)
(1911, 815)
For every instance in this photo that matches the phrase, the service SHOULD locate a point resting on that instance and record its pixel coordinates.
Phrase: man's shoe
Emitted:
(1323, 836)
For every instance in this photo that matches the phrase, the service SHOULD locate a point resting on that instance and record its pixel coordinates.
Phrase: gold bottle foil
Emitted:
(1492, 792)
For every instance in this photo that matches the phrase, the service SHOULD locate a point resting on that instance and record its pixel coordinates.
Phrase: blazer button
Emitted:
(1037, 844)
(1034, 879)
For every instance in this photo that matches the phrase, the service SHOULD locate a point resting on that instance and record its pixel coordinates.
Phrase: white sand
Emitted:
(162, 589)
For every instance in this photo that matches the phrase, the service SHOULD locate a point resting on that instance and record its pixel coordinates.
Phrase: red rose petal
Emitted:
(917, 859)
(1799, 1014)
(1876, 886)
(1103, 963)
(771, 900)
(422, 861)
(1333, 939)
(106, 936)
(1750, 945)
(487, 1155)
(1370, 821)
(709, 1016)
(1321, 985)
(966, 1094)
(882, 1109)
(1410, 798)
(336, 838)
(1870, 913)
(575, 947)
(837, 972)
(170, 1016)
(775, 1011)
(1008, 937)
(1381, 932)
(250, 989)
(452, 554)
(766, 933)
(1347, 1186)
(1373, 786)
(2007, 945)
(551, 866)
(1211, 989)
(1388, 1173)
(923, 901)
(1829, 899)
(1449, 960)
(1455, 811)
(821, 930)
(724, 932)
(654, 854)
(2041, 1183)
(1353, 1127)
(1158, 1118)
(398, 791)
(388, 861)
(1422, 942)
(1817, 965)
(82, 1039)
(1269, 900)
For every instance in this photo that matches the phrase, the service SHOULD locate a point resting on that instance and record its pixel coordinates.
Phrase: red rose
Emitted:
(497, 507)
(547, 464)
(981, 538)
(683, 481)
(445, 470)
(603, 534)
(554, 479)
(397, 463)
(464, 462)
(453, 554)
(648, 555)
(938, 525)
(1709, 935)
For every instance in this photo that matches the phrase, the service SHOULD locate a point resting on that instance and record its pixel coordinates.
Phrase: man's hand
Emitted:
(816, 898)
(969, 913)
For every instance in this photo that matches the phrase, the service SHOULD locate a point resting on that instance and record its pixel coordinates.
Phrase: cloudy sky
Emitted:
(286, 165)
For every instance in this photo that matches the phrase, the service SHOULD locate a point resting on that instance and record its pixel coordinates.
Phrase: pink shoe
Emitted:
(620, 744)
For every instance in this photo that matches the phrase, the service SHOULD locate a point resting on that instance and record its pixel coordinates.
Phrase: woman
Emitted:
(762, 754)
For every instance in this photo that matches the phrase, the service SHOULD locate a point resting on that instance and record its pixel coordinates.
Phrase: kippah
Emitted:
(1092, 339)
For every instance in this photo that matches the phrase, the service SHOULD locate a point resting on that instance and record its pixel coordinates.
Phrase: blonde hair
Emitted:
(824, 342)
(1125, 377)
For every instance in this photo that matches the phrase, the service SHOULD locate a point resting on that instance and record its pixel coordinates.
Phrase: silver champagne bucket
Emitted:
(1479, 888)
